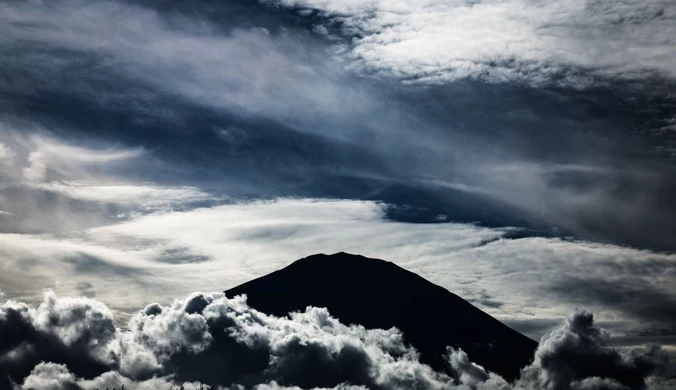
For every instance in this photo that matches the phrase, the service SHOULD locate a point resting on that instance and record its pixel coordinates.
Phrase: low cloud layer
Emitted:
(524, 280)
(75, 343)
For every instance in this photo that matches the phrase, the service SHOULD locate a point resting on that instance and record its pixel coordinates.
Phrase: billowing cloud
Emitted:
(575, 355)
(74, 343)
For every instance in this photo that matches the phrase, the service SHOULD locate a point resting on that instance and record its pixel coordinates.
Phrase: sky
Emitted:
(521, 154)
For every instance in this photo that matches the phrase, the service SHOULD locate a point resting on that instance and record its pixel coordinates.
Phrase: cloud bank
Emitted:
(524, 280)
(207, 338)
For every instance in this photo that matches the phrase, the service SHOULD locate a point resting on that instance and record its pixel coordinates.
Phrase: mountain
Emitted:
(379, 294)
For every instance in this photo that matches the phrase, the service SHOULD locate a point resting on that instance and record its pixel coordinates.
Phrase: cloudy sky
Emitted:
(521, 154)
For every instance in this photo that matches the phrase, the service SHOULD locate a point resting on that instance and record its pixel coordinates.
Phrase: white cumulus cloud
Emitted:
(207, 338)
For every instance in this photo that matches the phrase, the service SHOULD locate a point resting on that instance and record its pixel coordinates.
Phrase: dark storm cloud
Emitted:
(74, 343)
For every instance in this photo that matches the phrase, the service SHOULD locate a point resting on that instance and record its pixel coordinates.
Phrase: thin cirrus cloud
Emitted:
(49, 185)
(33, 154)
(144, 196)
(151, 54)
(295, 117)
(538, 42)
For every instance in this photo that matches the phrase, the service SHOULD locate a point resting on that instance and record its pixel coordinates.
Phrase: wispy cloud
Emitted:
(6, 156)
(220, 247)
(134, 194)
(250, 71)
(55, 186)
(34, 154)
(259, 111)
(570, 42)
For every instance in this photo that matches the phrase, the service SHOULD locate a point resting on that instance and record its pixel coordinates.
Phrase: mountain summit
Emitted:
(379, 294)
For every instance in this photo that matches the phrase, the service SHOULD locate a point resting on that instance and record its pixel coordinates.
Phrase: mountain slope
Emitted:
(378, 294)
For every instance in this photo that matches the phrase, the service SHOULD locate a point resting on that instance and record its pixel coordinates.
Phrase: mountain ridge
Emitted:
(376, 293)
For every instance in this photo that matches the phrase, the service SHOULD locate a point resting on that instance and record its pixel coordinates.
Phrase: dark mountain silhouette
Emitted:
(379, 294)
